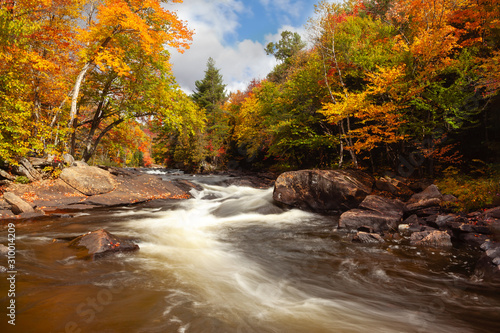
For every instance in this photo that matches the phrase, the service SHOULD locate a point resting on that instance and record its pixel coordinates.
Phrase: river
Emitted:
(230, 260)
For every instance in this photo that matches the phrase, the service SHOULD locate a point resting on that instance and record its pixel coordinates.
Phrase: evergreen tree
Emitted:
(210, 95)
(211, 91)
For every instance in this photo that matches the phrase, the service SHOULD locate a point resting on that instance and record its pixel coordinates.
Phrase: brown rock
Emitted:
(6, 175)
(357, 219)
(435, 238)
(99, 243)
(323, 190)
(26, 169)
(88, 180)
(383, 205)
(394, 187)
(365, 237)
(18, 205)
(431, 192)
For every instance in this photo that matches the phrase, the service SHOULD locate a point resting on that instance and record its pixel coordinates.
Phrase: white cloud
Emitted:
(214, 22)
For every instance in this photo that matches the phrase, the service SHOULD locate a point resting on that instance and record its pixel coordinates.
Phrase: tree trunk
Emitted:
(87, 154)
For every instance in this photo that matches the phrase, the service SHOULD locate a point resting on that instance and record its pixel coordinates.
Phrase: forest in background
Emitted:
(404, 85)
(409, 86)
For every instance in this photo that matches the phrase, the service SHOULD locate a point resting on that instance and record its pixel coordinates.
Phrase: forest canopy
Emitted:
(399, 84)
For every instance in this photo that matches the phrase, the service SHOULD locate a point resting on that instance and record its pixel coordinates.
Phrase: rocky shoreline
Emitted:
(82, 187)
(371, 211)
(391, 209)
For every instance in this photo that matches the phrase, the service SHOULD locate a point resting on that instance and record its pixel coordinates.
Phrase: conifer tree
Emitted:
(211, 91)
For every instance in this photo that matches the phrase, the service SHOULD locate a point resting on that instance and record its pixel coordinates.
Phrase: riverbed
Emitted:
(230, 260)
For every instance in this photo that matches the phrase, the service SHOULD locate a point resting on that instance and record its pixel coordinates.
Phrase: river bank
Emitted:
(231, 259)
(370, 210)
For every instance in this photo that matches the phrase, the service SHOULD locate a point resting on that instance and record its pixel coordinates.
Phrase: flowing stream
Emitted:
(230, 260)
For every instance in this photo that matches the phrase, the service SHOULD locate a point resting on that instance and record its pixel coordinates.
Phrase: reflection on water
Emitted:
(229, 260)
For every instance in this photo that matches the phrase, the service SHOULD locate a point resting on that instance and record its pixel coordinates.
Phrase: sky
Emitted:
(234, 33)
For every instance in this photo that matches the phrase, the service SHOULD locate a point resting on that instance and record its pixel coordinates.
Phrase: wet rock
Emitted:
(358, 219)
(32, 215)
(431, 238)
(365, 237)
(375, 213)
(488, 266)
(88, 180)
(18, 205)
(323, 190)
(99, 243)
(473, 239)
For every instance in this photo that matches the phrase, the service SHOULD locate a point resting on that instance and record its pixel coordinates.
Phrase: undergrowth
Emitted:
(475, 190)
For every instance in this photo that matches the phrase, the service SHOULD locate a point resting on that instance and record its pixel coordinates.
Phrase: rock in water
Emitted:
(88, 180)
(323, 190)
(18, 205)
(375, 213)
(435, 239)
(101, 242)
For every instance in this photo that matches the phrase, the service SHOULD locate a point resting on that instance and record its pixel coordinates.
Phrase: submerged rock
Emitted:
(365, 237)
(100, 242)
(323, 190)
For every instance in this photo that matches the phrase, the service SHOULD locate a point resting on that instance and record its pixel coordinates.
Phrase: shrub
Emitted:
(473, 192)
(22, 180)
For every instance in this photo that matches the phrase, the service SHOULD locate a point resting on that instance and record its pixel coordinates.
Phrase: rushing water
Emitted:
(230, 260)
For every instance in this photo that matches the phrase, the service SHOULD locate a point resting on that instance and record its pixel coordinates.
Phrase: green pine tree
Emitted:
(210, 92)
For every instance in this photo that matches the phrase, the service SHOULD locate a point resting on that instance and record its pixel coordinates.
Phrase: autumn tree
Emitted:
(125, 48)
(37, 48)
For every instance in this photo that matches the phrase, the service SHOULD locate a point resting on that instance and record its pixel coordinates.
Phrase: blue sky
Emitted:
(234, 33)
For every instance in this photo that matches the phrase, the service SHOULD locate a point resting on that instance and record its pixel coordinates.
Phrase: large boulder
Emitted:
(18, 205)
(99, 243)
(375, 214)
(323, 190)
(88, 180)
